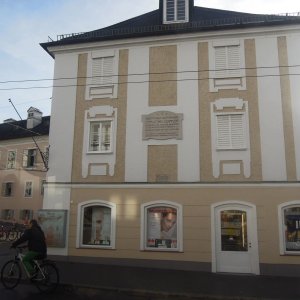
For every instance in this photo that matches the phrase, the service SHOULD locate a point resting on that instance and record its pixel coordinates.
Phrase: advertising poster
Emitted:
(53, 222)
(162, 227)
(292, 233)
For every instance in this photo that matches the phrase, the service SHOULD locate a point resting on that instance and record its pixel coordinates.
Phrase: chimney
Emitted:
(34, 117)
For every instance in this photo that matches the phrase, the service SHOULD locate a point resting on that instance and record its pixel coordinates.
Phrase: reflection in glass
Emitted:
(97, 226)
(234, 230)
(292, 228)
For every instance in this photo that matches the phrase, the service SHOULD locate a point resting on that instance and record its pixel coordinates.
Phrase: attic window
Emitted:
(176, 11)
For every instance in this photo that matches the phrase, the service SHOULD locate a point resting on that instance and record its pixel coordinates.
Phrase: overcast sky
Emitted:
(24, 24)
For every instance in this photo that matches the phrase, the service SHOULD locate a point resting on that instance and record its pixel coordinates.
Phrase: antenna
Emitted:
(43, 155)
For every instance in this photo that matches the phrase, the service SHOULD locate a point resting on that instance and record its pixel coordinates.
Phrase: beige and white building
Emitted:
(22, 169)
(175, 142)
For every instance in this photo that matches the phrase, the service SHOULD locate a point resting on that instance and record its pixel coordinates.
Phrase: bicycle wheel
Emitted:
(11, 274)
(47, 278)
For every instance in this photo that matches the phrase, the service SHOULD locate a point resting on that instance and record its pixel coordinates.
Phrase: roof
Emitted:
(18, 129)
(150, 24)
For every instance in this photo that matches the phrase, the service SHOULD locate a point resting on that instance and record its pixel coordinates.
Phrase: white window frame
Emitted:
(14, 162)
(26, 158)
(282, 238)
(100, 120)
(105, 89)
(231, 146)
(186, 19)
(80, 218)
(179, 221)
(25, 185)
(228, 80)
(4, 186)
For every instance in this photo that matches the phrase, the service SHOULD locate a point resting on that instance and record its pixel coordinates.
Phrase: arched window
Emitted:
(161, 227)
(289, 227)
(96, 224)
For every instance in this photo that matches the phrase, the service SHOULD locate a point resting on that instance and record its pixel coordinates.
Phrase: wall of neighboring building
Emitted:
(20, 174)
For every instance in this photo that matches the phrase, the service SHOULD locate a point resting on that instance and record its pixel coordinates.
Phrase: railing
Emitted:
(180, 26)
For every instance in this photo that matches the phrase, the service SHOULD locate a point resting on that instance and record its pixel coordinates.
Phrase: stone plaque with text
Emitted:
(162, 125)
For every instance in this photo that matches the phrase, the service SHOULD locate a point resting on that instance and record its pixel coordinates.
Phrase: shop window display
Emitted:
(291, 216)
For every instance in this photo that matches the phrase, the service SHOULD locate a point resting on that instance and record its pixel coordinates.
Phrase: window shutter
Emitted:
(234, 62)
(220, 61)
(107, 70)
(230, 131)
(102, 70)
(181, 10)
(237, 131)
(170, 10)
(223, 131)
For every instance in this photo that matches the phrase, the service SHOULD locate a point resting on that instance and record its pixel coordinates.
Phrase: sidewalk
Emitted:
(167, 284)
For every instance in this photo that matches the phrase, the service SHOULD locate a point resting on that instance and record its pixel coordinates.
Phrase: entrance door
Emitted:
(236, 249)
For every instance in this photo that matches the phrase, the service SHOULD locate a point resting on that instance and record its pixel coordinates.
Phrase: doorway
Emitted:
(234, 236)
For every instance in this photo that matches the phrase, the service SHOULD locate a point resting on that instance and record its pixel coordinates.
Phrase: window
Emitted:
(100, 137)
(11, 159)
(26, 215)
(28, 189)
(7, 189)
(289, 215)
(29, 158)
(175, 11)
(230, 131)
(102, 74)
(161, 227)
(227, 65)
(97, 225)
(8, 214)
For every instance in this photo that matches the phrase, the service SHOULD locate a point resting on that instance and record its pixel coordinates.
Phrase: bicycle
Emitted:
(46, 277)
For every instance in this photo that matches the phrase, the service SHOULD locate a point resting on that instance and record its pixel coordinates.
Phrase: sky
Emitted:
(24, 24)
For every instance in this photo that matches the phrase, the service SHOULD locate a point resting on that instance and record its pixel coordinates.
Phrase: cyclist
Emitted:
(37, 248)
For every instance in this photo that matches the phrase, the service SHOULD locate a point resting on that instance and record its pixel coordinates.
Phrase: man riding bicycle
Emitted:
(36, 245)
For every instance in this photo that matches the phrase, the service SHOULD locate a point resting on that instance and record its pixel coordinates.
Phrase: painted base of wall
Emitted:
(265, 269)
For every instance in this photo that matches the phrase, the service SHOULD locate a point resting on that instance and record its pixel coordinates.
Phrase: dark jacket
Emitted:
(36, 240)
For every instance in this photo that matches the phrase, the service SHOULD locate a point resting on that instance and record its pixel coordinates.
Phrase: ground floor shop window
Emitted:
(161, 226)
(97, 224)
(289, 214)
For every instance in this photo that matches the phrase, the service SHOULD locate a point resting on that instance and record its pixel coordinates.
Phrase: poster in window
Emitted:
(292, 229)
(161, 227)
(53, 222)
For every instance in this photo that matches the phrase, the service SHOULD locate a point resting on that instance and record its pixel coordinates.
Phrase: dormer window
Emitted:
(176, 11)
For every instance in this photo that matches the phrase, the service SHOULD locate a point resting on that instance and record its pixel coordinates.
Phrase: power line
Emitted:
(147, 73)
(144, 81)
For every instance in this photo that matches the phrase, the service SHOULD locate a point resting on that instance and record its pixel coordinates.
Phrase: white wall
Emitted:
(270, 110)
(293, 44)
(187, 103)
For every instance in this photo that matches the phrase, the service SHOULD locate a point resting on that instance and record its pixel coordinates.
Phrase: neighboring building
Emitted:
(175, 142)
(22, 170)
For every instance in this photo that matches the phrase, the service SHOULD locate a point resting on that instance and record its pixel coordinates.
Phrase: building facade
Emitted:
(175, 142)
(22, 169)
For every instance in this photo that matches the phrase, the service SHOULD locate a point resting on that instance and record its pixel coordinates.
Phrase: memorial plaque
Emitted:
(162, 125)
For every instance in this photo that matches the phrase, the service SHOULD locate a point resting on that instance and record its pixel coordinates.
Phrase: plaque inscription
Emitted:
(162, 125)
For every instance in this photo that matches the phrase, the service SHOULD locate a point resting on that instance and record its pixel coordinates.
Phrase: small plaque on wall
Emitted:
(162, 125)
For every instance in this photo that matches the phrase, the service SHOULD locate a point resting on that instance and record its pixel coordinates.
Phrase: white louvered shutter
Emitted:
(237, 131)
(170, 10)
(102, 70)
(234, 61)
(230, 131)
(223, 132)
(220, 62)
(180, 10)
(25, 158)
